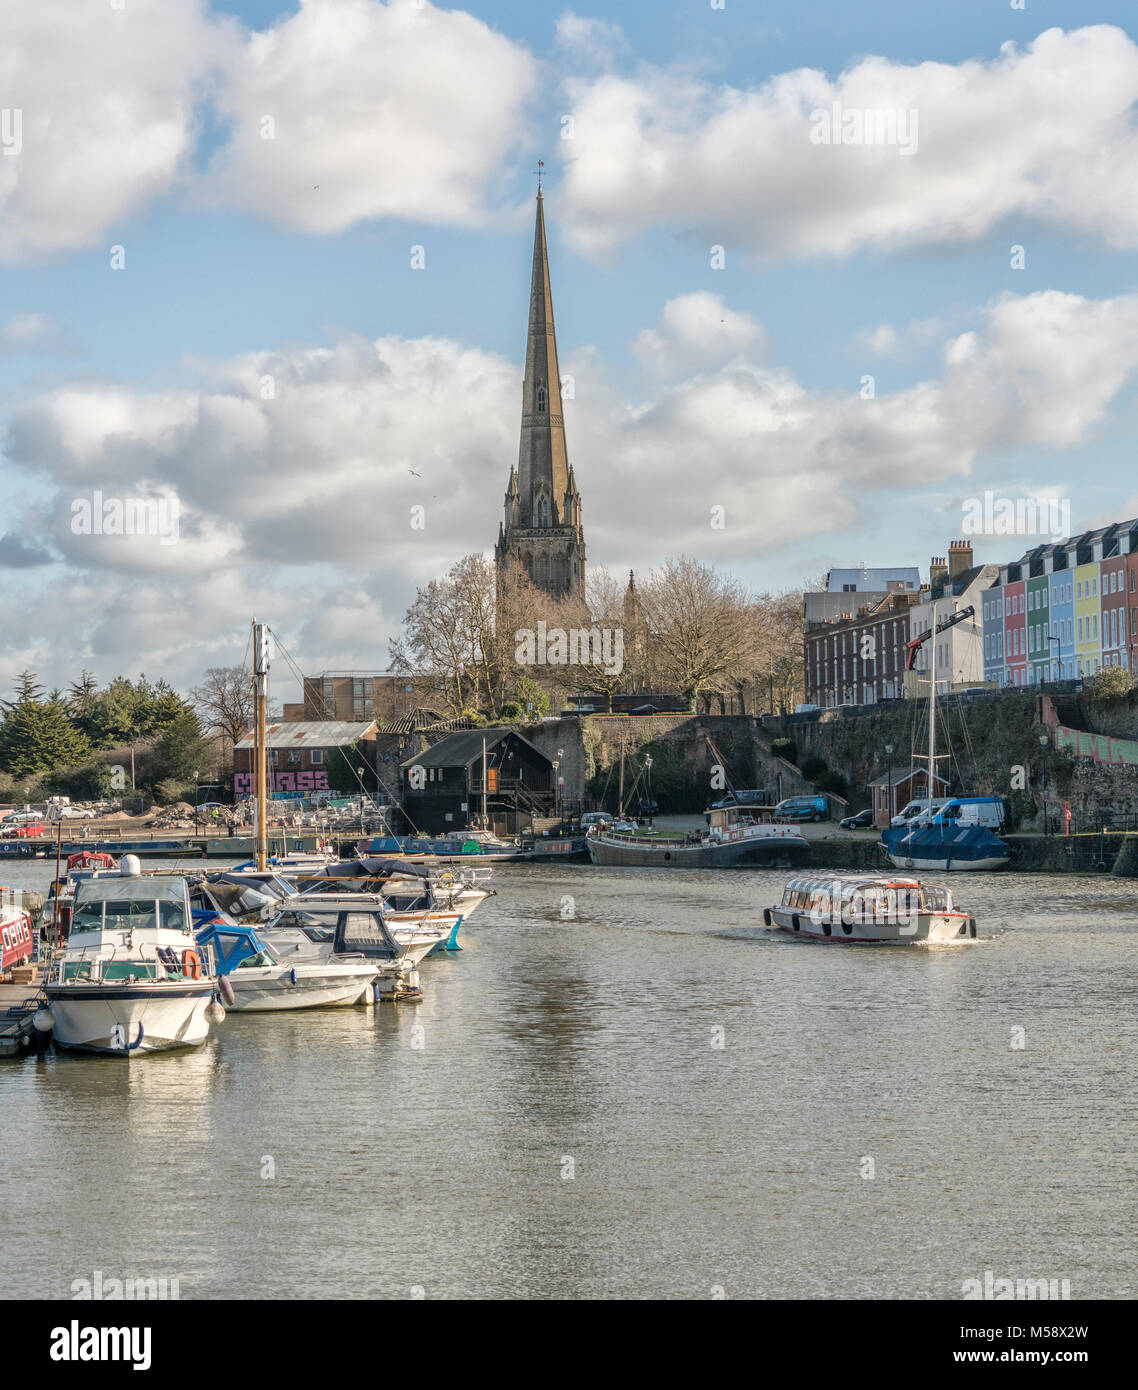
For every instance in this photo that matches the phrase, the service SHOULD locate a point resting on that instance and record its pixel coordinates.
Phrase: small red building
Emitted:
(893, 791)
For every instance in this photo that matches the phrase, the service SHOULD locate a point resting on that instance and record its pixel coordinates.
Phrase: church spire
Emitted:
(543, 466)
(543, 507)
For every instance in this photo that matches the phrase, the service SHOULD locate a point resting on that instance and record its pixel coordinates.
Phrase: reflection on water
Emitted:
(650, 1099)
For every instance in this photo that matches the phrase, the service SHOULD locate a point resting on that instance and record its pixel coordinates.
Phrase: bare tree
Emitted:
(702, 636)
(224, 701)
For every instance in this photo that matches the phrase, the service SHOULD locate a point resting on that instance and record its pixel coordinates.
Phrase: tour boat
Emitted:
(130, 979)
(733, 838)
(863, 909)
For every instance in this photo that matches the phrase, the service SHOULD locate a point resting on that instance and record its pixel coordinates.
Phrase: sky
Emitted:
(821, 274)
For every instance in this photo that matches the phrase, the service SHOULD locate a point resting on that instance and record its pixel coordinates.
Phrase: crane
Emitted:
(921, 638)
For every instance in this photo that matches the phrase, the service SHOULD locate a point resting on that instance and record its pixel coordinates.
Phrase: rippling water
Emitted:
(714, 1090)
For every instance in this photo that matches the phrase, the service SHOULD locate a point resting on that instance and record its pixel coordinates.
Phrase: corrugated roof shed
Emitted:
(312, 733)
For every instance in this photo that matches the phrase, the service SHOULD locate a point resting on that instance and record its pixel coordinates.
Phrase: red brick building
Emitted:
(859, 658)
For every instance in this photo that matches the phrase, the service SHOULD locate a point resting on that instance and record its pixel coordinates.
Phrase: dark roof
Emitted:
(462, 749)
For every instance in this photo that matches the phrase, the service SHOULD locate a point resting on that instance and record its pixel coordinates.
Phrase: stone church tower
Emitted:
(542, 529)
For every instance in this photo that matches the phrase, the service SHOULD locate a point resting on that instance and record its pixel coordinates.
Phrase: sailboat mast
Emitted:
(485, 821)
(260, 702)
(932, 711)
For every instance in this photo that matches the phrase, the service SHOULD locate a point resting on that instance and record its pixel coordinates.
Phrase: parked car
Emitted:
(862, 821)
(753, 796)
(75, 813)
(800, 808)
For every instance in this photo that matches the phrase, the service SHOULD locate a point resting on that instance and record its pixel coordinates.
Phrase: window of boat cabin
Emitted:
(317, 926)
(172, 916)
(128, 913)
(363, 929)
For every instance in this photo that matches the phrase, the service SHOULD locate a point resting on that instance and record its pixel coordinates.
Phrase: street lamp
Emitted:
(1044, 740)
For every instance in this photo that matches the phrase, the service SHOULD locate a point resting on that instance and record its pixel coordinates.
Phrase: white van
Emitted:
(908, 814)
(964, 811)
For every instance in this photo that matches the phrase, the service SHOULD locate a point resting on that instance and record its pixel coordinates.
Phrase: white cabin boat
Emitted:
(130, 979)
(865, 909)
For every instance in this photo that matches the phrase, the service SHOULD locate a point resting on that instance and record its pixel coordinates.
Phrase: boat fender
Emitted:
(226, 990)
(214, 1012)
(192, 964)
(43, 1021)
(826, 929)
(766, 916)
(794, 921)
(292, 975)
(972, 927)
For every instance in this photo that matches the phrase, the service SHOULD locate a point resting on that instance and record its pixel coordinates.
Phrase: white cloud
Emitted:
(291, 502)
(378, 110)
(36, 333)
(1045, 132)
(591, 40)
(698, 328)
(105, 99)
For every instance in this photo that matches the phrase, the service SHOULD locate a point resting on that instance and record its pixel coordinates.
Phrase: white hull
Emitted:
(923, 926)
(954, 866)
(129, 1023)
(260, 989)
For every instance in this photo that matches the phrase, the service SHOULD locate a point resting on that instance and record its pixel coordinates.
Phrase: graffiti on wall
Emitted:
(312, 781)
(1098, 747)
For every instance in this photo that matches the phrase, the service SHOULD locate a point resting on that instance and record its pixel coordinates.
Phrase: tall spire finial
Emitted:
(540, 171)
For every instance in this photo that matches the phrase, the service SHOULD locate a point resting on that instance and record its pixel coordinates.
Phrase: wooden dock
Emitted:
(17, 1005)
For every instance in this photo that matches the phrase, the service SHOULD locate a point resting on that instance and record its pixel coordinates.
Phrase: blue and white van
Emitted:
(965, 811)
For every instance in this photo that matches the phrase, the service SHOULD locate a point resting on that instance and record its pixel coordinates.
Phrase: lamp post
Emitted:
(1044, 740)
(889, 780)
(648, 784)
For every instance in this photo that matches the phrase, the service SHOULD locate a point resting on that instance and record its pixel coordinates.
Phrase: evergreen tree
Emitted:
(37, 735)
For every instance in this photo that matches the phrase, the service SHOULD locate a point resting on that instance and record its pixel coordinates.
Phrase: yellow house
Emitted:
(1088, 607)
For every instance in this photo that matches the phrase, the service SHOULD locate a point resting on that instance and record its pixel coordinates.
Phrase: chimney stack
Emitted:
(959, 557)
(938, 570)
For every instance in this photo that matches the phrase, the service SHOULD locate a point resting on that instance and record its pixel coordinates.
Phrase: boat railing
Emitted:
(630, 837)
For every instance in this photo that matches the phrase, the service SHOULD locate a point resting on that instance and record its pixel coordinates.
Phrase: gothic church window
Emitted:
(541, 399)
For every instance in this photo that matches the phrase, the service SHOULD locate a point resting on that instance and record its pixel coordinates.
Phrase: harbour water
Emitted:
(622, 1087)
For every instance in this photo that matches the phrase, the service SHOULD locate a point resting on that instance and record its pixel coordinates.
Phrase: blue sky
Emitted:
(135, 378)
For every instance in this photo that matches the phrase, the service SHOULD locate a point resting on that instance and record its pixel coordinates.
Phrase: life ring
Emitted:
(192, 964)
(766, 916)
(226, 990)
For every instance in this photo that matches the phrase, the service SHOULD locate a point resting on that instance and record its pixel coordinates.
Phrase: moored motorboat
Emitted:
(355, 924)
(130, 979)
(260, 981)
(865, 909)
